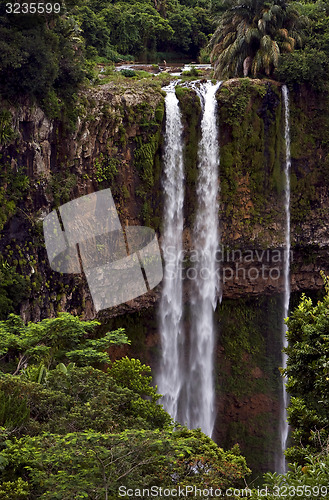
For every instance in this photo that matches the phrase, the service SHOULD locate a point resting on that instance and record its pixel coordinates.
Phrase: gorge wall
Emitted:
(117, 142)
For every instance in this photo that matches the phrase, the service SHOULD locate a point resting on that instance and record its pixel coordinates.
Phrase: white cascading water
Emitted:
(170, 377)
(199, 410)
(284, 428)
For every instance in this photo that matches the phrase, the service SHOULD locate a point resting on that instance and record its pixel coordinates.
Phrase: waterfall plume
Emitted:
(170, 378)
(284, 428)
(204, 290)
(186, 372)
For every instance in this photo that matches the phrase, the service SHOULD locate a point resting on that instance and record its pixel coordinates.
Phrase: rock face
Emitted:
(252, 217)
(117, 142)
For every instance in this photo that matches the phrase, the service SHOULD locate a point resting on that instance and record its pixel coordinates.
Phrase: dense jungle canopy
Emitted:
(48, 56)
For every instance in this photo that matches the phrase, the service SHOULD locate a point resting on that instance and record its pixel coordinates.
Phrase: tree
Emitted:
(39, 53)
(308, 376)
(133, 374)
(94, 465)
(135, 28)
(251, 35)
(95, 31)
(76, 399)
(51, 341)
(14, 287)
(309, 65)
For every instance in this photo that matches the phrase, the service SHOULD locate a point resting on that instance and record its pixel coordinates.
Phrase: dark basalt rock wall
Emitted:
(116, 143)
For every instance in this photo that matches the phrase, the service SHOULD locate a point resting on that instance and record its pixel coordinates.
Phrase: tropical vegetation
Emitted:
(252, 34)
(308, 385)
(48, 57)
(308, 377)
(83, 428)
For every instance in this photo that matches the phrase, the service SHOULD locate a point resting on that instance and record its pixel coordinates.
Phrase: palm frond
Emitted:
(262, 25)
(252, 33)
(266, 43)
(275, 54)
(283, 32)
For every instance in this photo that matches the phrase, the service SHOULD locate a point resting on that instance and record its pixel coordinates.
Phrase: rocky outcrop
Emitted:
(115, 142)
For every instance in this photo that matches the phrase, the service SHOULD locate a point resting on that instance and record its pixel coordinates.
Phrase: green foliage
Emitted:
(94, 29)
(135, 27)
(128, 73)
(6, 131)
(159, 112)
(61, 185)
(192, 72)
(191, 29)
(38, 56)
(308, 375)
(191, 110)
(251, 151)
(86, 464)
(308, 481)
(310, 65)
(14, 490)
(13, 409)
(133, 374)
(55, 340)
(79, 432)
(237, 99)
(14, 288)
(9, 207)
(247, 369)
(251, 35)
(77, 398)
(106, 168)
(144, 158)
(14, 185)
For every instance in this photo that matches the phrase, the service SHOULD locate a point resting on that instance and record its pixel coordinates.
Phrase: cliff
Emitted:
(252, 157)
(117, 142)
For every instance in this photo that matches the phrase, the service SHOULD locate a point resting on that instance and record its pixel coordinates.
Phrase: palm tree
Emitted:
(251, 35)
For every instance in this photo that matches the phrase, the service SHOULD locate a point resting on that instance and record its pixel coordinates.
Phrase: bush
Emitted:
(128, 73)
(306, 482)
(303, 66)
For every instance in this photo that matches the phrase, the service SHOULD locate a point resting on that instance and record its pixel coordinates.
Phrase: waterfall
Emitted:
(284, 428)
(199, 409)
(170, 378)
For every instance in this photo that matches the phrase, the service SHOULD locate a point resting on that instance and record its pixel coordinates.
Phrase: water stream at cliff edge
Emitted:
(284, 428)
(186, 372)
(206, 287)
(170, 378)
